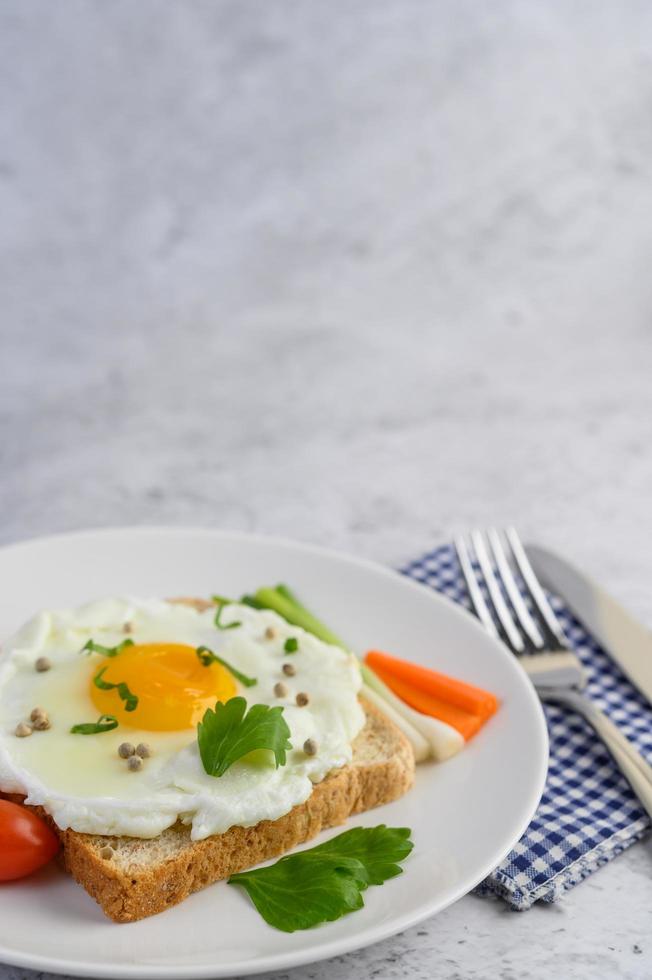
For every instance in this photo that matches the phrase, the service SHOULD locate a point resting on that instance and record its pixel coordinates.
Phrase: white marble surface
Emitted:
(361, 274)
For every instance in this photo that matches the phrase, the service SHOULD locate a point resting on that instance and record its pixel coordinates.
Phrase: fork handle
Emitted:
(632, 765)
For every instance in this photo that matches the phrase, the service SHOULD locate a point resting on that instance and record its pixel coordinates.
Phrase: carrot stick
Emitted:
(464, 722)
(447, 689)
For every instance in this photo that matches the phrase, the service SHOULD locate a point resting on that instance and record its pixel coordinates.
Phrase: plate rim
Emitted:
(328, 949)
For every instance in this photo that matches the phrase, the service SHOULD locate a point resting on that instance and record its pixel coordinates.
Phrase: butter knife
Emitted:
(624, 639)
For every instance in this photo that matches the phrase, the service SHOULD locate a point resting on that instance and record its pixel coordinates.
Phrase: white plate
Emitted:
(465, 815)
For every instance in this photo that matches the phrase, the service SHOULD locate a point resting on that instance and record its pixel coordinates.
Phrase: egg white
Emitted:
(80, 779)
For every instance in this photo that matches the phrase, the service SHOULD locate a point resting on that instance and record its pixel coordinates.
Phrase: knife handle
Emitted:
(633, 766)
(639, 783)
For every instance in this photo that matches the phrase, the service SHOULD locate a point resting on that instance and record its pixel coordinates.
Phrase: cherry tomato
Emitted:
(26, 841)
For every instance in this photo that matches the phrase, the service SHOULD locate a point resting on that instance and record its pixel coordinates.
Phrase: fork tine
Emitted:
(504, 571)
(477, 598)
(537, 594)
(514, 638)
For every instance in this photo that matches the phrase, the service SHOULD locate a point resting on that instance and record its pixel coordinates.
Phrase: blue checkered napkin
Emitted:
(588, 814)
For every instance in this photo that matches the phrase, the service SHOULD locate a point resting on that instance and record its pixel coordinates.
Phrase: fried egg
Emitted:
(83, 782)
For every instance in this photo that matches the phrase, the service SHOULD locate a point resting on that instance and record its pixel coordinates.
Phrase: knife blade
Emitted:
(628, 642)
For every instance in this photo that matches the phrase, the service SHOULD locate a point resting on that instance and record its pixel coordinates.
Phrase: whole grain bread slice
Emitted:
(131, 878)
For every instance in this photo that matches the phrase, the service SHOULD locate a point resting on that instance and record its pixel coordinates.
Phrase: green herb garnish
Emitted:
(251, 601)
(222, 626)
(282, 601)
(130, 700)
(105, 723)
(93, 647)
(291, 645)
(327, 881)
(227, 734)
(207, 657)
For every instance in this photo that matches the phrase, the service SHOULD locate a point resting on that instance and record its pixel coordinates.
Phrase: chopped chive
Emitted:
(221, 626)
(130, 700)
(291, 645)
(105, 723)
(92, 647)
(207, 657)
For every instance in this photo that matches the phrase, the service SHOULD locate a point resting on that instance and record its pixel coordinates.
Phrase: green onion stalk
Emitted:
(428, 736)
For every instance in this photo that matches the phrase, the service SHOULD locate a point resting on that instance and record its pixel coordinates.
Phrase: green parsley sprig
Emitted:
(227, 734)
(325, 882)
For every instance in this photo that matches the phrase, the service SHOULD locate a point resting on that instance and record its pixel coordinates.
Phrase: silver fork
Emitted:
(539, 641)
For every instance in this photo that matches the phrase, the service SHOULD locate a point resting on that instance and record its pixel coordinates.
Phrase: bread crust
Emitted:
(138, 878)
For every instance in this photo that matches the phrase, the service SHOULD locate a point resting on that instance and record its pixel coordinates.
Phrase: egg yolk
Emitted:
(172, 685)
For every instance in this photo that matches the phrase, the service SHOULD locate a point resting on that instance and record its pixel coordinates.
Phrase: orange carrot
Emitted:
(448, 689)
(460, 705)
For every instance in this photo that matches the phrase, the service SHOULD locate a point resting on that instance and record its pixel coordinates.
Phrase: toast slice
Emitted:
(132, 878)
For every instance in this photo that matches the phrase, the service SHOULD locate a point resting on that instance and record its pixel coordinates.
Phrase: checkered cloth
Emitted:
(587, 814)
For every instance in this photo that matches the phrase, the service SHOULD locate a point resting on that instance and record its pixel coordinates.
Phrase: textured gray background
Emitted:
(358, 273)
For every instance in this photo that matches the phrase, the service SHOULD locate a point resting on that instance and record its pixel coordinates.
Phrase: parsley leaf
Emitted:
(325, 882)
(226, 734)
(130, 700)
(105, 723)
(92, 647)
(207, 657)
(377, 848)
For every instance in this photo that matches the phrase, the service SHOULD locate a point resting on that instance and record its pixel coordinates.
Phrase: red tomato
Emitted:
(26, 842)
